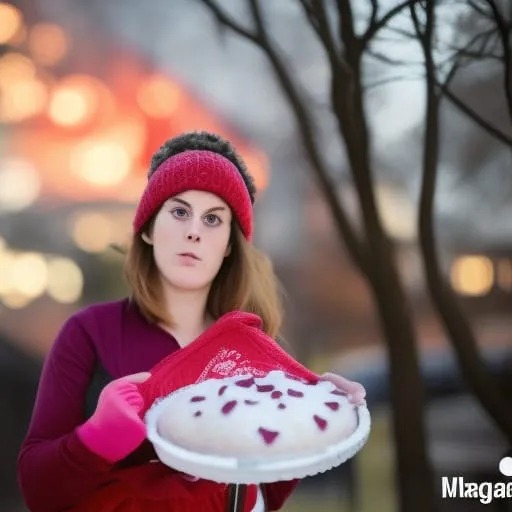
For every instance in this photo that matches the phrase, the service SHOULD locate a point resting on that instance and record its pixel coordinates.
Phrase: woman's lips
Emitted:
(190, 254)
(188, 259)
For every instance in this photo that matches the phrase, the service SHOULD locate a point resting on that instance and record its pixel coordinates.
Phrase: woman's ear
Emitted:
(146, 238)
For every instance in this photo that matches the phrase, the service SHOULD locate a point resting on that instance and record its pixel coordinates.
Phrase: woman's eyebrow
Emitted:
(184, 203)
(215, 209)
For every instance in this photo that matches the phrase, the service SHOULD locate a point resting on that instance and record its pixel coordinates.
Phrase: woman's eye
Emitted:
(212, 220)
(179, 212)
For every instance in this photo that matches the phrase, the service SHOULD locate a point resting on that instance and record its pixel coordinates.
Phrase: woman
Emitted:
(190, 261)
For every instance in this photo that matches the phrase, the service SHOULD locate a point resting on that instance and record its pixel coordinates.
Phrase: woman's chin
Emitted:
(189, 285)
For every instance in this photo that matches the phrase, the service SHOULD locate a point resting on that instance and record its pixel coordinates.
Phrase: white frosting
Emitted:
(257, 416)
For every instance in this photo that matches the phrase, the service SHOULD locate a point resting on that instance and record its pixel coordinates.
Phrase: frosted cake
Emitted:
(253, 417)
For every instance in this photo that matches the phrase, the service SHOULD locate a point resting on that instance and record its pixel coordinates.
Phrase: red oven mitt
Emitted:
(233, 345)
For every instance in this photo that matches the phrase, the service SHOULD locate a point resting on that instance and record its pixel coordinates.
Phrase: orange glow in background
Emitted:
(90, 141)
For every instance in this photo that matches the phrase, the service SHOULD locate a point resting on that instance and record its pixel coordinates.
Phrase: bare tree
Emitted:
(371, 250)
(492, 42)
(369, 247)
(459, 330)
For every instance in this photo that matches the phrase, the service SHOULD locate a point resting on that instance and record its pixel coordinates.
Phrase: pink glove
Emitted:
(355, 391)
(115, 429)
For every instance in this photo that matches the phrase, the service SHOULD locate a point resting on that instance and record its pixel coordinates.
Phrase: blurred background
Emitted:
(89, 90)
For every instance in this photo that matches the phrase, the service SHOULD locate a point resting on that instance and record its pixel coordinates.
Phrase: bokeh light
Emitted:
(65, 280)
(15, 300)
(22, 93)
(23, 277)
(92, 232)
(20, 184)
(6, 262)
(129, 133)
(48, 43)
(158, 96)
(11, 22)
(397, 212)
(22, 99)
(29, 274)
(472, 275)
(101, 162)
(76, 100)
(15, 66)
(26, 276)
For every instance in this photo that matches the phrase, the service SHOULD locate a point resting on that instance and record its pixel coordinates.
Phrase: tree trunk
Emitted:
(414, 474)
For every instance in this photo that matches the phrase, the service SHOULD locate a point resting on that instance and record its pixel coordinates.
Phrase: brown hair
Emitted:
(245, 281)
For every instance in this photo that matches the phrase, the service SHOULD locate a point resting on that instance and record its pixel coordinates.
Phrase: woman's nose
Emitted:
(193, 229)
(194, 237)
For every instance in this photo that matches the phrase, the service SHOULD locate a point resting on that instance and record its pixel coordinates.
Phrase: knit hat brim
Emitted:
(196, 170)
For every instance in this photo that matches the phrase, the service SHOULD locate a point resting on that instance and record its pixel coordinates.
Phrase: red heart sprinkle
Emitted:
(276, 394)
(334, 406)
(268, 435)
(228, 407)
(245, 383)
(265, 388)
(222, 389)
(293, 392)
(197, 398)
(322, 424)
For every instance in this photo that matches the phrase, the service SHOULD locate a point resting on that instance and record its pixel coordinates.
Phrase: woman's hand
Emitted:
(116, 429)
(355, 391)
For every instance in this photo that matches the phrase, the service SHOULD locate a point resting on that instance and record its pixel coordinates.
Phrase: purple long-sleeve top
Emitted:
(96, 345)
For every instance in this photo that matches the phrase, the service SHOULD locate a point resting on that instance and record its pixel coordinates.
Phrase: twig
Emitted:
(505, 32)
(376, 25)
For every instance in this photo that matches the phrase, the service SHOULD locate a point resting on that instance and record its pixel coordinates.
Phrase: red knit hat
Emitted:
(196, 170)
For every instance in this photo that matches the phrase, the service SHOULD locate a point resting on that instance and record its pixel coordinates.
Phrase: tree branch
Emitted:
(355, 247)
(317, 18)
(388, 60)
(373, 15)
(389, 80)
(348, 107)
(376, 25)
(226, 20)
(477, 118)
(463, 107)
(480, 53)
(402, 32)
(479, 10)
(346, 32)
(505, 33)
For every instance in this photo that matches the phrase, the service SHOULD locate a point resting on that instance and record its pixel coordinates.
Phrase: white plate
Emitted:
(254, 470)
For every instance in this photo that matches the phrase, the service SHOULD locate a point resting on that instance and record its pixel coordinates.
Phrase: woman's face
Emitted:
(190, 239)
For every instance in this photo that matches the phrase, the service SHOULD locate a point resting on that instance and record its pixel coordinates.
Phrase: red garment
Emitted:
(56, 472)
(155, 488)
(233, 345)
